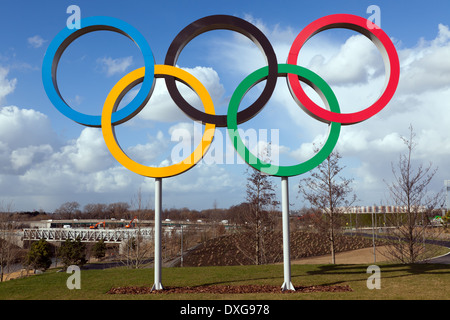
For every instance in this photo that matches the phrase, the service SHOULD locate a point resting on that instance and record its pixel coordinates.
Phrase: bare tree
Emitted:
(9, 251)
(330, 194)
(257, 218)
(68, 210)
(137, 249)
(118, 209)
(95, 211)
(409, 191)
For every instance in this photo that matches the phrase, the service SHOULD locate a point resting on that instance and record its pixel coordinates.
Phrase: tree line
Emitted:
(122, 210)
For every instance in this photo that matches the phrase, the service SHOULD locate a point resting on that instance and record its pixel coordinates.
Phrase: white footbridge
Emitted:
(87, 235)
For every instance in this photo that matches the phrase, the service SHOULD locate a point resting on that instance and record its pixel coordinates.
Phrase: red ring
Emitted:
(377, 36)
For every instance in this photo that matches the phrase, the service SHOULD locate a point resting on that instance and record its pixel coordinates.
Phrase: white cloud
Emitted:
(24, 127)
(144, 153)
(114, 66)
(426, 67)
(6, 86)
(115, 179)
(356, 62)
(36, 41)
(89, 152)
(306, 150)
(161, 106)
(24, 157)
(201, 179)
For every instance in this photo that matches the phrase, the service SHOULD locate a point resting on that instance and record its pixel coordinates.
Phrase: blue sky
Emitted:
(47, 159)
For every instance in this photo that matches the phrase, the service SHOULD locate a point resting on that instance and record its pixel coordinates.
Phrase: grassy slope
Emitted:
(422, 281)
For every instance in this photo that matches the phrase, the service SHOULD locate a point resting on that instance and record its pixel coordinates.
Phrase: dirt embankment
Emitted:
(228, 250)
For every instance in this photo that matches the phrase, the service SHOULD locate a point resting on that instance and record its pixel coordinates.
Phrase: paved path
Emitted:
(445, 259)
(359, 256)
(362, 256)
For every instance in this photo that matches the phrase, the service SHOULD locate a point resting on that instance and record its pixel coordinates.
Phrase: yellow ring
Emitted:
(115, 94)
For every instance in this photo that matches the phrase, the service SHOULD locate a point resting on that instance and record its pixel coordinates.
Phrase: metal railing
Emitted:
(86, 235)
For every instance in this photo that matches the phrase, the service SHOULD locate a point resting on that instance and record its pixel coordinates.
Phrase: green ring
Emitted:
(317, 84)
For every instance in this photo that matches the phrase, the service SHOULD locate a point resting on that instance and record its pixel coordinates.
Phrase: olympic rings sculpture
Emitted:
(111, 117)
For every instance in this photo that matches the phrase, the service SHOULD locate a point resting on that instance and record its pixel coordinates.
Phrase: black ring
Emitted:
(232, 23)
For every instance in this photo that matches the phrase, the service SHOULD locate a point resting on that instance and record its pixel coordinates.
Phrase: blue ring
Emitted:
(65, 37)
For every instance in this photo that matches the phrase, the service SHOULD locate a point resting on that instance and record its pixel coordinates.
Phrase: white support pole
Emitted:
(373, 240)
(157, 259)
(181, 257)
(287, 285)
(447, 187)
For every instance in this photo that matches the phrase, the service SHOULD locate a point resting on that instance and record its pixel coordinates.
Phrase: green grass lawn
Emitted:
(418, 281)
